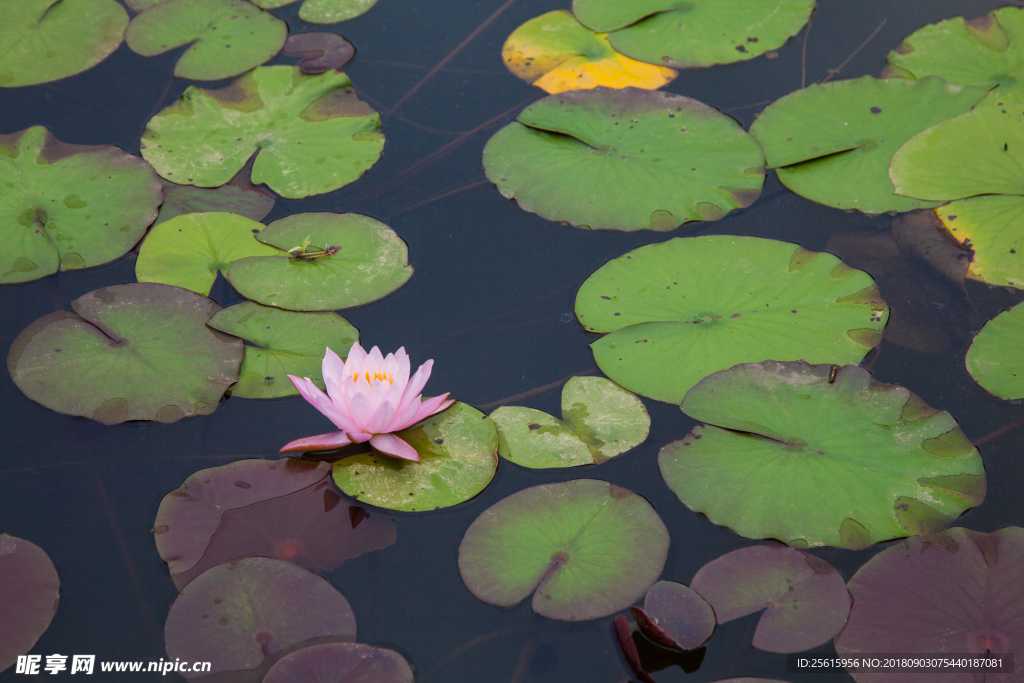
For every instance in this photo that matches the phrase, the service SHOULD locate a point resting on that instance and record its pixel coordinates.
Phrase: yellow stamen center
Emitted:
(375, 377)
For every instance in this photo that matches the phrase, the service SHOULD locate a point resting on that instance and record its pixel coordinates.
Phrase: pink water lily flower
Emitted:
(368, 398)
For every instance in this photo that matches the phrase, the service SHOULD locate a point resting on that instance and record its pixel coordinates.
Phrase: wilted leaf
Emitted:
(556, 53)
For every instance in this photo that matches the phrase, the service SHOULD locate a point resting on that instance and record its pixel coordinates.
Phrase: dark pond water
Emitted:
(491, 301)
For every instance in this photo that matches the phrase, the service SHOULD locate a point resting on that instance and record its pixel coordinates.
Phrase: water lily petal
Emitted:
(390, 367)
(416, 384)
(404, 417)
(333, 371)
(431, 406)
(376, 394)
(389, 444)
(322, 402)
(359, 403)
(402, 373)
(380, 418)
(321, 442)
(360, 437)
(356, 355)
(376, 357)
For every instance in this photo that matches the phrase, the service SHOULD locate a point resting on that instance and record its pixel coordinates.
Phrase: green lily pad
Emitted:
(993, 228)
(282, 343)
(980, 152)
(625, 159)
(458, 459)
(132, 352)
(832, 143)
(986, 52)
(599, 421)
(312, 133)
(681, 310)
(584, 548)
(227, 37)
(182, 199)
(188, 251)
(46, 40)
(69, 206)
(324, 11)
(996, 357)
(688, 33)
(556, 53)
(369, 261)
(820, 455)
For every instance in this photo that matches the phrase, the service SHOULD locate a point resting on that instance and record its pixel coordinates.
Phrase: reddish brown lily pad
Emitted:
(320, 51)
(29, 591)
(341, 663)
(958, 591)
(242, 616)
(317, 528)
(804, 597)
(189, 516)
(629, 650)
(675, 616)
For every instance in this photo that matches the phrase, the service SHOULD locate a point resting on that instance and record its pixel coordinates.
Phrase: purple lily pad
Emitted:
(182, 199)
(29, 591)
(243, 616)
(320, 51)
(189, 516)
(804, 598)
(317, 528)
(958, 591)
(675, 616)
(341, 663)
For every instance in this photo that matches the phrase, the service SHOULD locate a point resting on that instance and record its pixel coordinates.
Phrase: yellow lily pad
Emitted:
(556, 53)
(992, 226)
